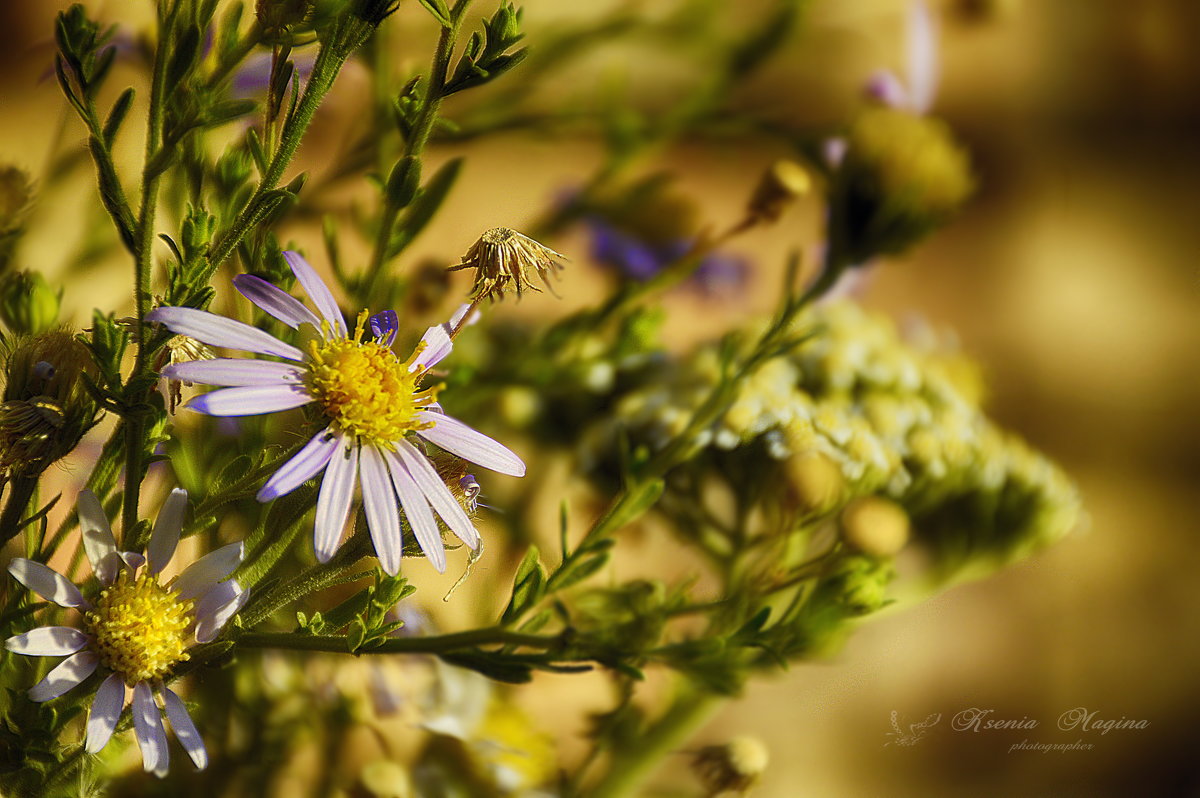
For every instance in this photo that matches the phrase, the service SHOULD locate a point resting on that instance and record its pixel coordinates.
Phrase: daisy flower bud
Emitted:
(506, 261)
(28, 304)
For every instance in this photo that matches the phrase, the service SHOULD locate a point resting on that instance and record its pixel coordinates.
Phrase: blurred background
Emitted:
(1072, 278)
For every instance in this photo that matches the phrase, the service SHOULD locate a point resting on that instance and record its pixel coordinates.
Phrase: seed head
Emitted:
(506, 261)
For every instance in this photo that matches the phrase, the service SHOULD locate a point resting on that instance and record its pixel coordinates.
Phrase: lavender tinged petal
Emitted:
(457, 438)
(886, 89)
(437, 345)
(148, 729)
(207, 571)
(185, 730)
(209, 328)
(98, 540)
(105, 711)
(437, 494)
(922, 57)
(317, 292)
(47, 641)
(47, 583)
(277, 302)
(303, 466)
(234, 372)
(216, 607)
(70, 672)
(333, 501)
(167, 527)
(251, 400)
(379, 502)
(417, 511)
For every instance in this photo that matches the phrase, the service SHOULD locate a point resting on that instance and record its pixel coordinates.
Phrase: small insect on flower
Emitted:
(372, 403)
(137, 629)
(506, 261)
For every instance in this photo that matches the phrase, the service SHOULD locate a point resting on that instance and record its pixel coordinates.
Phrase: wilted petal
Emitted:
(457, 438)
(231, 371)
(47, 641)
(317, 291)
(148, 728)
(251, 400)
(214, 330)
(207, 571)
(333, 501)
(417, 511)
(379, 502)
(303, 466)
(105, 711)
(70, 672)
(437, 494)
(46, 582)
(98, 540)
(167, 528)
(185, 730)
(275, 301)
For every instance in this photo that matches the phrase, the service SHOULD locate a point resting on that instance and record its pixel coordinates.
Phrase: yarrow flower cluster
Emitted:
(372, 402)
(137, 629)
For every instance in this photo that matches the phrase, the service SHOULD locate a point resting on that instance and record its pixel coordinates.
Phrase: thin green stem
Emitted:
(20, 492)
(438, 644)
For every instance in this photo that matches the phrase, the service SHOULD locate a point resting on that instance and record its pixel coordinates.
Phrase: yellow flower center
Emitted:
(140, 628)
(365, 389)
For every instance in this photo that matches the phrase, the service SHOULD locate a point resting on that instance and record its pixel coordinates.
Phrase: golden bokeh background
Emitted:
(1072, 278)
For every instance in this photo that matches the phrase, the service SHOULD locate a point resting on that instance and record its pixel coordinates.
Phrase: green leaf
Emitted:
(117, 115)
(439, 11)
(529, 585)
(424, 206)
(493, 666)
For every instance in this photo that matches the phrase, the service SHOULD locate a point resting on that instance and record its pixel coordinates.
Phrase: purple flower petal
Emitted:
(437, 345)
(417, 511)
(185, 730)
(105, 711)
(206, 572)
(70, 672)
(251, 400)
(167, 528)
(333, 501)
(317, 291)
(384, 326)
(275, 301)
(886, 89)
(235, 372)
(209, 328)
(148, 729)
(216, 607)
(47, 583)
(98, 540)
(303, 466)
(436, 493)
(457, 438)
(379, 502)
(47, 641)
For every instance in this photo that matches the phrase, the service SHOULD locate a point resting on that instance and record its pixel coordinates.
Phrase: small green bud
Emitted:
(28, 305)
(198, 228)
(780, 185)
(859, 584)
(404, 181)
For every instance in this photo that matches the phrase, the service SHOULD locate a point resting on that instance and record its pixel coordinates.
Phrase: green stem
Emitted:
(631, 766)
(438, 644)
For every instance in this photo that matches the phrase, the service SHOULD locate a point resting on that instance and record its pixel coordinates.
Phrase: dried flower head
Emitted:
(504, 261)
(180, 349)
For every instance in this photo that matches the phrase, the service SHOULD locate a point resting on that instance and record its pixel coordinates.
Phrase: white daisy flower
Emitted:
(137, 629)
(372, 401)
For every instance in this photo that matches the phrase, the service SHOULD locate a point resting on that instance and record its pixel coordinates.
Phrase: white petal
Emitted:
(209, 328)
(333, 501)
(105, 711)
(207, 571)
(70, 672)
(419, 515)
(277, 302)
(232, 371)
(457, 438)
(216, 607)
(46, 582)
(436, 492)
(437, 345)
(303, 466)
(922, 56)
(47, 641)
(97, 537)
(379, 502)
(251, 400)
(315, 287)
(148, 728)
(185, 730)
(167, 528)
